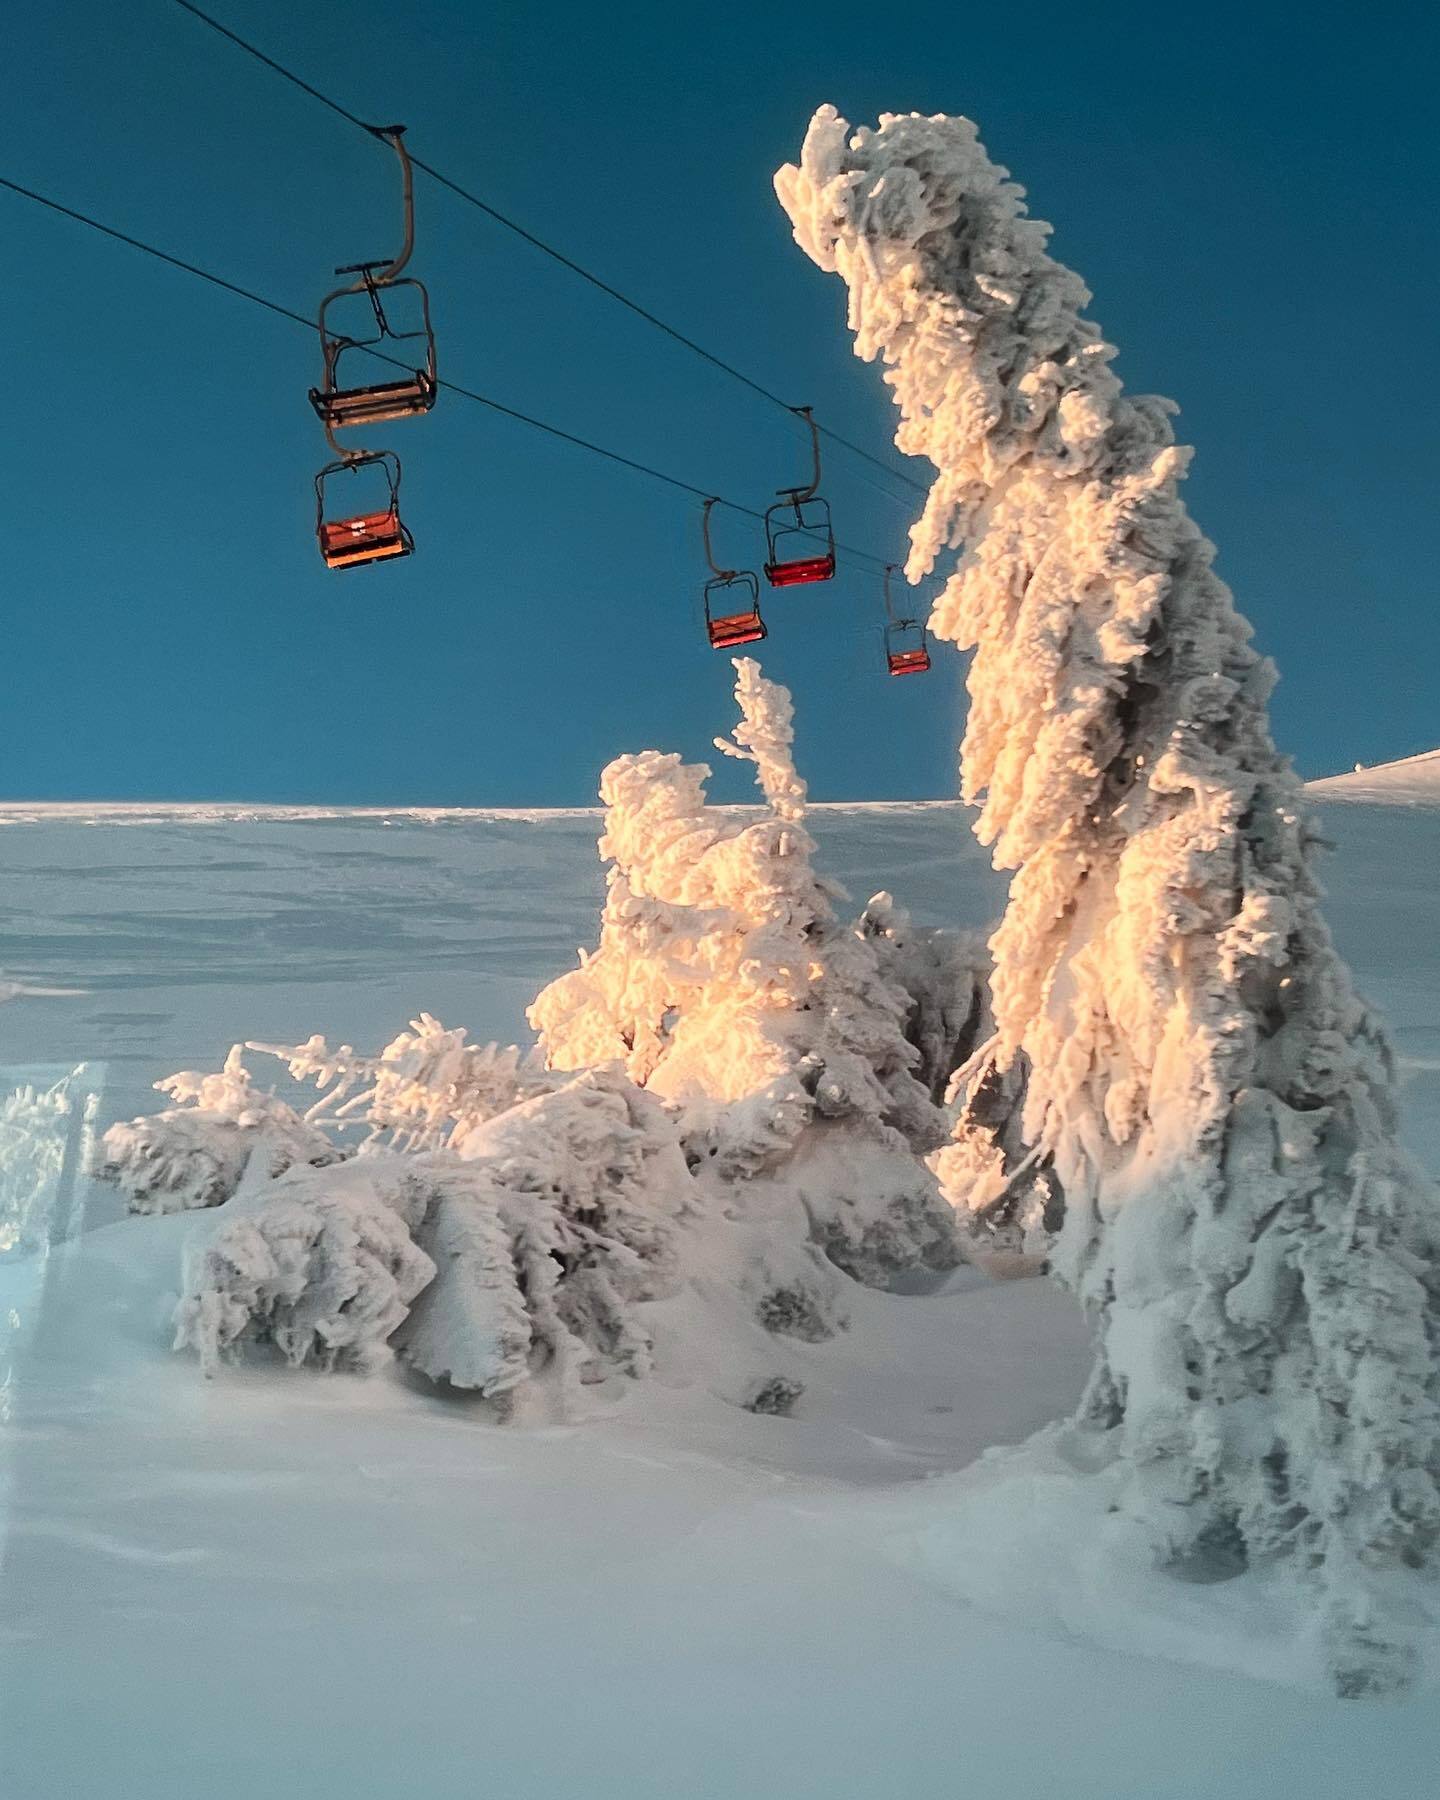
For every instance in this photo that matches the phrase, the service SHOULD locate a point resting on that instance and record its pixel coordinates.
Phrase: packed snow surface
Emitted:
(336, 1587)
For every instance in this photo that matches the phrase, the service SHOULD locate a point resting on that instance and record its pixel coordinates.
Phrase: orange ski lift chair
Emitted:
(414, 391)
(732, 600)
(352, 539)
(798, 533)
(907, 645)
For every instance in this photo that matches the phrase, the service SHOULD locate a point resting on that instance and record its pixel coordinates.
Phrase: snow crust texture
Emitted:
(1214, 1101)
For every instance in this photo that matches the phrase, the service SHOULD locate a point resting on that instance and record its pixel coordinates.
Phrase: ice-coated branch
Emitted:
(765, 735)
(425, 1090)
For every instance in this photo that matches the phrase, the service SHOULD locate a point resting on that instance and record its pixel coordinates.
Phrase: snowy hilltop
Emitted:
(1413, 781)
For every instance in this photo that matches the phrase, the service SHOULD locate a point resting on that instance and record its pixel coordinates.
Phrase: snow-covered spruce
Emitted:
(194, 1153)
(725, 984)
(1216, 1101)
(945, 978)
(520, 1258)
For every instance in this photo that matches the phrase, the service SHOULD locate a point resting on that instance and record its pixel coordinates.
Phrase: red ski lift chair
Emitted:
(798, 532)
(732, 611)
(354, 539)
(912, 661)
(732, 601)
(907, 644)
(339, 407)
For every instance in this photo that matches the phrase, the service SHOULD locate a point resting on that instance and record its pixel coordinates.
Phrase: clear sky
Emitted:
(1249, 191)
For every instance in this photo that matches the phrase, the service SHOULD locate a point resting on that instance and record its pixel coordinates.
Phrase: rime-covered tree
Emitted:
(512, 1263)
(723, 979)
(1216, 1101)
(194, 1154)
(727, 985)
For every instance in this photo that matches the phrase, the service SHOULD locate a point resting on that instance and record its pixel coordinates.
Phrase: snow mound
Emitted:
(1065, 1557)
(1413, 781)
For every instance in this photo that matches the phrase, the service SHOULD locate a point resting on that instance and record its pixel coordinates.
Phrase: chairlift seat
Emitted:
(368, 538)
(909, 662)
(735, 628)
(342, 407)
(737, 591)
(800, 570)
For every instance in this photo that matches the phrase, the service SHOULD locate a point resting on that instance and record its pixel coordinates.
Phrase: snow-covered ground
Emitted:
(284, 1584)
(1414, 781)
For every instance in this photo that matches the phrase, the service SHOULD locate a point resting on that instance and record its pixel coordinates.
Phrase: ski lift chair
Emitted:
(340, 407)
(732, 600)
(799, 537)
(907, 644)
(732, 610)
(911, 659)
(355, 539)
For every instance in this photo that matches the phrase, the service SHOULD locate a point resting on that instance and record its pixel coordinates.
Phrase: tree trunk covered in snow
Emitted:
(1216, 1101)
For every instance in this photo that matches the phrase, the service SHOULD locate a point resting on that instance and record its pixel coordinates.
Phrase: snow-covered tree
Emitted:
(736, 1098)
(426, 1090)
(194, 1153)
(945, 978)
(724, 980)
(1002, 1191)
(35, 1127)
(1215, 1101)
(519, 1258)
(726, 984)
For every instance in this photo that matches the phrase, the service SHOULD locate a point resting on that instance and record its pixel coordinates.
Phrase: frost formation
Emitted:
(725, 983)
(730, 1115)
(194, 1153)
(1214, 1101)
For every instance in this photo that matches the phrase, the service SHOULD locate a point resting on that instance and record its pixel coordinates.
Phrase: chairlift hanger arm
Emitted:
(370, 276)
(889, 603)
(801, 494)
(394, 135)
(723, 574)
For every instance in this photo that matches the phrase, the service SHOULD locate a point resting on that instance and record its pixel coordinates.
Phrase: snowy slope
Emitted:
(282, 1584)
(1413, 781)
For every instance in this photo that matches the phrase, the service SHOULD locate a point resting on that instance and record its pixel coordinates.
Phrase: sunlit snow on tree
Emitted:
(1214, 1099)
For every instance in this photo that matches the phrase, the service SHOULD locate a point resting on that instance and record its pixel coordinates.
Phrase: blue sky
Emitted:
(1249, 193)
